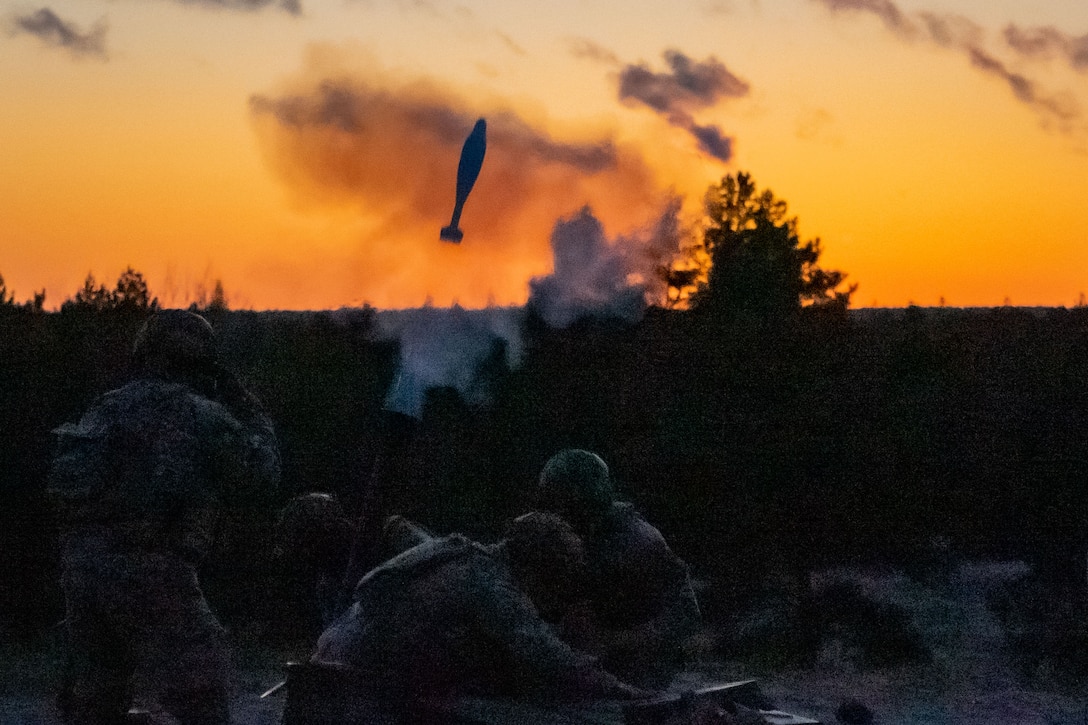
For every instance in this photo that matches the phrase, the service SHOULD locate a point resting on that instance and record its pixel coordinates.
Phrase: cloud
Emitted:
(1047, 42)
(511, 44)
(888, 12)
(387, 151)
(590, 50)
(1025, 89)
(689, 85)
(294, 7)
(966, 36)
(54, 31)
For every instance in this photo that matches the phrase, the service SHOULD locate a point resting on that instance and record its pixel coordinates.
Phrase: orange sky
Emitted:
(940, 150)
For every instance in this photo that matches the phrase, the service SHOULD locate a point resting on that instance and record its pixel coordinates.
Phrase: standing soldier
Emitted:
(139, 482)
(640, 607)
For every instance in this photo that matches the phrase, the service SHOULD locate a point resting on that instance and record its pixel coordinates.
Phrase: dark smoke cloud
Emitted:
(959, 33)
(294, 7)
(51, 29)
(356, 110)
(687, 86)
(1047, 42)
(386, 150)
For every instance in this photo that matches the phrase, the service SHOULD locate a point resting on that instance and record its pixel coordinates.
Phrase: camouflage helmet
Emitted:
(174, 337)
(575, 483)
(312, 529)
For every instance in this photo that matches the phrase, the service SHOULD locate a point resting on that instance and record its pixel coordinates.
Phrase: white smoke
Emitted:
(446, 347)
(595, 277)
(592, 277)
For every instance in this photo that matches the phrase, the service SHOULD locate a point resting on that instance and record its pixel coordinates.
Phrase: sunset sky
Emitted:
(304, 151)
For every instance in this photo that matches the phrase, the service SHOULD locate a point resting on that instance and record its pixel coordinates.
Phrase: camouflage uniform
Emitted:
(640, 606)
(448, 617)
(138, 483)
(640, 596)
(313, 535)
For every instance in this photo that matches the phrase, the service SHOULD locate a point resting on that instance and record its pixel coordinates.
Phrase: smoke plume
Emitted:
(597, 277)
(52, 30)
(592, 277)
(687, 86)
(388, 152)
(448, 347)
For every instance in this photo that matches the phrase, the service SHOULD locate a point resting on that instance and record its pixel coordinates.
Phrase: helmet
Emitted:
(312, 530)
(174, 339)
(575, 484)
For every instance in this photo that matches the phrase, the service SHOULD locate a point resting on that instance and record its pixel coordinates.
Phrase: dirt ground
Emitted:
(970, 680)
(902, 697)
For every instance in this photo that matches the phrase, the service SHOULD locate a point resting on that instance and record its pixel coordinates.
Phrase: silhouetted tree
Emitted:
(37, 304)
(7, 299)
(758, 264)
(218, 301)
(130, 295)
(90, 297)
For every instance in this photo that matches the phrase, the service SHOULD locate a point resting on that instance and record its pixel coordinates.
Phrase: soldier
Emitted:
(451, 616)
(138, 484)
(640, 607)
(313, 535)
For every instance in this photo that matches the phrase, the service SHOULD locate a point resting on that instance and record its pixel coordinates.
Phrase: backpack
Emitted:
(84, 462)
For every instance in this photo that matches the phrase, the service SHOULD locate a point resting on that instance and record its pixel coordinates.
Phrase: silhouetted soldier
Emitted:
(313, 537)
(639, 607)
(450, 616)
(139, 482)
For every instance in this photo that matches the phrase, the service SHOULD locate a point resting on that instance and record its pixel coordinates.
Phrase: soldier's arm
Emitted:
(674, 613)
(538, 658)
(259, 449)
(676, 619)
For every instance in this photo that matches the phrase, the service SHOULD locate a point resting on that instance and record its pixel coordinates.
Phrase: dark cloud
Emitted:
(1047, 42)
(712, 141)
(688, 85)
(966, 36)
(887, 11)
(951, 31)
(51, 29)
(588, 49)
(511, 44)
(294, 7)
(1024, 88)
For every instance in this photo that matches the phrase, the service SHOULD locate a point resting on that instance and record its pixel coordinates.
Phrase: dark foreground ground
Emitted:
(973, 676)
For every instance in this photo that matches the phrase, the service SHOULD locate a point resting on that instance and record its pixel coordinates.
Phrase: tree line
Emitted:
(764, 427)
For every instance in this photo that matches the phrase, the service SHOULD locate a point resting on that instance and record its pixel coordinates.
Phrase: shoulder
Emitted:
(626, 524)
